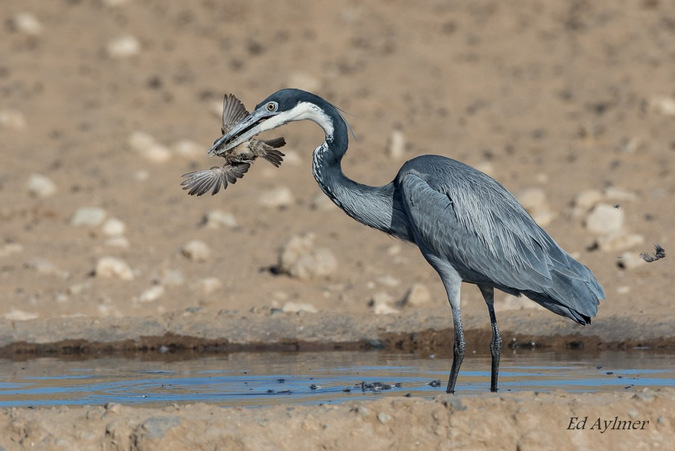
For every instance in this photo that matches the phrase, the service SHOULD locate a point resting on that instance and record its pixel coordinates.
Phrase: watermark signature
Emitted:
(603, 425)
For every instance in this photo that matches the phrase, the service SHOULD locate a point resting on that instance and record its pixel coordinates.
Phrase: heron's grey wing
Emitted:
(200, 182)
(233, 112)
(466, 218)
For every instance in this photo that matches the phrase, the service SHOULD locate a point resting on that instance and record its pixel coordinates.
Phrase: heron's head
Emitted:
(278, 109)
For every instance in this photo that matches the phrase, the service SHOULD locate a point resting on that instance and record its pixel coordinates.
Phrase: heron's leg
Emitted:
(496, 343)
(458, 348)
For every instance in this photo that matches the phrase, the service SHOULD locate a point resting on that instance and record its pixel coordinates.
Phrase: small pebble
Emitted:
(123, 47)
(19, 315)
(113, 227)
(88, 216)
(278, 197)
(383, 417)
(586, 200)
(321, 202)
(209, 285)
(117, 241)
(300, 259)
(152, 294)
(8, 249)
(188, 149)
(304, 81)
(295, 307)
(40, 186)
(664, 105)
(630, 260)
(113, 268)
(534, 201)
(396, 145)
(171, 277)
(146, 146)
(381, 304)
(44, 266)
(12, 119)
(619, 242)
(196, 250)
(604, 219)
(219, 219)
(26, 23)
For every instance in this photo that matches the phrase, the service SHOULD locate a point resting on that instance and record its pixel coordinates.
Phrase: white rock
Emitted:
(19, 315)
(614, 193)
(12, 119)
(196, 250)
(389, 281)
(534, 201)
(604, 219)
(416, 296)
(113, 227)
(294, 307)
(88, 216)
(278, 197)
(381, 304)
(663, 105)
(117, 241)
(8, 249)
(384, 417)
(321, 202)
(188, 149)
(113, 268)
(152, 294)
(114, 3)
(298, 258)
(292, 157)
(619, 242)
(141, 175)
(79, 287)
(586, 200)
(396, 145)
(630, 260)
(171, 277)
(44, 266)
(509, 302)
(123, 47)
(26, 23)
(208, 285)
(219, 219)
(40, 186)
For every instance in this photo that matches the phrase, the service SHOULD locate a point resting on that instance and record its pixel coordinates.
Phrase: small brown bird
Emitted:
(237, 160)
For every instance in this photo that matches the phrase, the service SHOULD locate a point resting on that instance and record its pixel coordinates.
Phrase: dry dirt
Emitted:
(560, 96)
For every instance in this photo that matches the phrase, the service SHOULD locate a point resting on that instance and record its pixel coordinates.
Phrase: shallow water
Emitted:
(260, 379)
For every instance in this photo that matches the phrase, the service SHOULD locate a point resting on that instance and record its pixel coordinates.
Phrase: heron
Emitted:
(468, 227)
(237, 160)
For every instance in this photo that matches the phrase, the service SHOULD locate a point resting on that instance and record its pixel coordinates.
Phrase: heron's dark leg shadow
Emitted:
(496, 343)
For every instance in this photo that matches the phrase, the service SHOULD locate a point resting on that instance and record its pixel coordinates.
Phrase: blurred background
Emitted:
(104, 104)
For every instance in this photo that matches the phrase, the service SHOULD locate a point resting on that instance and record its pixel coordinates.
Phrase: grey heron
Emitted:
(237, 160)
(468, 227)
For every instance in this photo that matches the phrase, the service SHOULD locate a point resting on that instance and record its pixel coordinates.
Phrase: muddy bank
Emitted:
(228, 331)
(622, 421)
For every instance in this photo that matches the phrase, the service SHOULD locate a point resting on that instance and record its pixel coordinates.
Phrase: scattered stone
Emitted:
(534, 201)
(389, 281)
(619, 242)
(26, 23)
(171, 277)
(188, 149)
(88, 216)
(118, 241)
(396, 145)
(208, 285)
(604, 219)
(218, 219)
(141, 175)
(12, 119)
(146, 146)
(384, 417)
(278, 197)
(113, 227)
(416, 296)
(196, 250)
(509, 302)
(300, 259)
(79, 287)
(295, 307)
(381, 304)
(113, 268)
(586, 200)
(10, 249)
(19, 315)
(630, 145)
(629, 260)
(619, 194)
(152, 294)
(292, 157)
(486, 167)
(123, 47)
(114, 3)
(40, 186)
(46, 267)
(663, 105)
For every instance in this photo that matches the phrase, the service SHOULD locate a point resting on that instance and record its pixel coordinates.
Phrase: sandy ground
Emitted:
(111, 101)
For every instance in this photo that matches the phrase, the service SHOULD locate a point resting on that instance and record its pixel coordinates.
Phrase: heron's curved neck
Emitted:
(373, 206)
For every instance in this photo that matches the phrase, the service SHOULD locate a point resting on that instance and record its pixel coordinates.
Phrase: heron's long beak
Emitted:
(250, 126)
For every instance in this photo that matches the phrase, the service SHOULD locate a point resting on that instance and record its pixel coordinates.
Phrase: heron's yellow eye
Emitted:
(272, 106)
